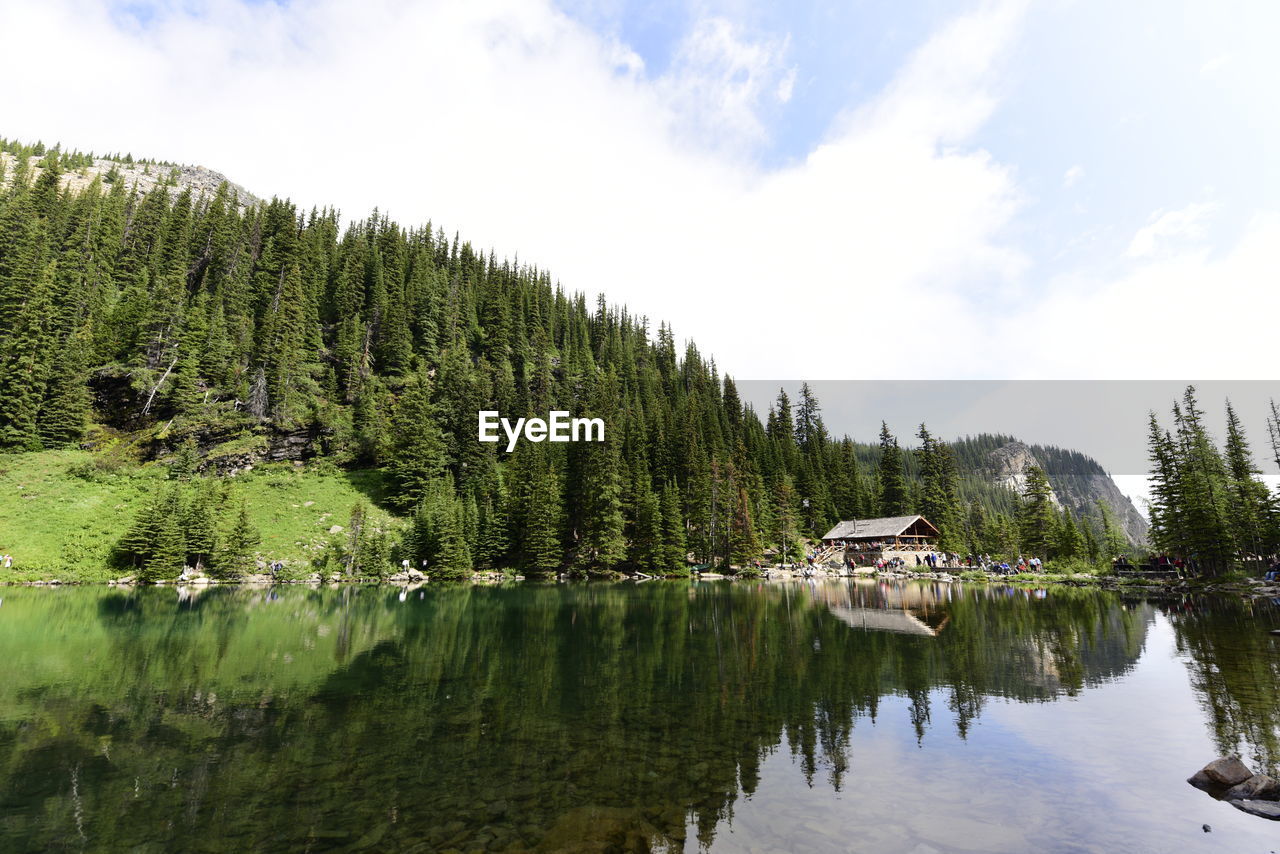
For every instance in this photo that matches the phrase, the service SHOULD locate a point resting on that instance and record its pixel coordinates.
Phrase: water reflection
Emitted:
(621, 717)
(1235, 668)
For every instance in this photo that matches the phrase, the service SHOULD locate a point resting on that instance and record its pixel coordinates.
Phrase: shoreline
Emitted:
(1251, 588)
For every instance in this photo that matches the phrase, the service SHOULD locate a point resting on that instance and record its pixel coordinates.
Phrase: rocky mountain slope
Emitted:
(1078, 482)
(198, 179)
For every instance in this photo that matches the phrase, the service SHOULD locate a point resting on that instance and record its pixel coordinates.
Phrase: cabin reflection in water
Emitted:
(902, 609)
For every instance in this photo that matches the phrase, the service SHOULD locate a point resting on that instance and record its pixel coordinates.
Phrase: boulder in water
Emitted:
(1226, 771)
(1259, 787)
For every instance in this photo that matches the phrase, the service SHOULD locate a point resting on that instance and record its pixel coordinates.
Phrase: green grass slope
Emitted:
(59, 522)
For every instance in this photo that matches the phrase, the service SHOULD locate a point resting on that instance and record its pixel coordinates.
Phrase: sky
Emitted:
(812, 190)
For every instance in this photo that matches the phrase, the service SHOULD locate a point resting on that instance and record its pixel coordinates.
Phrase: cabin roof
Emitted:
(889, 526)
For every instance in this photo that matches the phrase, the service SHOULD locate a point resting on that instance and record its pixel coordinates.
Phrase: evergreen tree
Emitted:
(164, 556)
(238, 555)
(373, 432)
(645, 550)
(494, 546)
(415, 456)
(66, 408)
(1250, 502)
(23, 365)
(1067, 542)
(1166, 529)
(786, 533)
(283, 338)
(356, 531)
(940, 501)
(1037, 520)
(674, 547)
(542, 552)
(1204, 490)
(200, 527)
(602, 545)
(438, 531)
(744, 543)
(136, 545)
(185, 460)
(374, 558)
(1113, 541)
(893, 484)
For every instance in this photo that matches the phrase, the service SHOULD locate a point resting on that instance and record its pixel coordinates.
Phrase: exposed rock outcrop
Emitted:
(1009, 465)
(1077, 482)
(198, 179)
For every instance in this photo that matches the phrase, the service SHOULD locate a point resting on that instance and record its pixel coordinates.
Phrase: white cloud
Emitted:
(531, 134)
(1213, 66)
(1072, 176)
(1185, 315)
(786, 86)
(1171, 231)
(720, 83)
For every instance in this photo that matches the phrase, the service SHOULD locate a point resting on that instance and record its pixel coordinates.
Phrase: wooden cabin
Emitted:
(889, 534)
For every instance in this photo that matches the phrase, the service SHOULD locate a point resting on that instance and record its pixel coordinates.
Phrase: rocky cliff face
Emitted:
(1008, 467)
(198, 179)
(1078, 487)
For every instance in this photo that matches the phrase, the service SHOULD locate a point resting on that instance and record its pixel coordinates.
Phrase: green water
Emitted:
(629, 717)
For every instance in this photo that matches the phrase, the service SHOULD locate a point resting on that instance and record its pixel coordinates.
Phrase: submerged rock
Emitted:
(591, 829)
(1265, 809)
(1258, 787)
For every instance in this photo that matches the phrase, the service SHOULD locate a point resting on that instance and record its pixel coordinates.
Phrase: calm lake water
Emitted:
(841, 716)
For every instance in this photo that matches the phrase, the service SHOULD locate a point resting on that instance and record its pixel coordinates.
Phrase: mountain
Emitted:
(145, 175)
(1079, 483)
(1007, 467)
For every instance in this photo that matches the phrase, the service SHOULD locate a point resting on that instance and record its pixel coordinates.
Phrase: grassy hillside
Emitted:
(60, 519)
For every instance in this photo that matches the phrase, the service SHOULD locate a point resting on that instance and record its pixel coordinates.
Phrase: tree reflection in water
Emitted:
(1235, 670)
(523, 716)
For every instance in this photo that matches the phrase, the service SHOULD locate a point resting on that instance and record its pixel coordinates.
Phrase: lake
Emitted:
(664, 716)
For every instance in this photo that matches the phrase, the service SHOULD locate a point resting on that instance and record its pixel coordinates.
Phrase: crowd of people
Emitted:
(934, 560)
